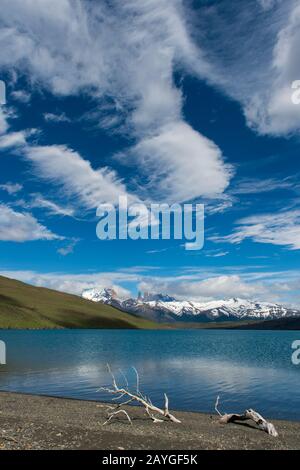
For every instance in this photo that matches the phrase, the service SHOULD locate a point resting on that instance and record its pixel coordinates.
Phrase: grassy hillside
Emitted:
(25, 306)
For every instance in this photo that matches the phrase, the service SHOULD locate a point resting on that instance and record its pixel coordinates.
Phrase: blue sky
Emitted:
(159, 100)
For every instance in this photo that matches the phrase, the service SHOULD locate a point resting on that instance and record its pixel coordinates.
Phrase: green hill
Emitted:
(25, 306)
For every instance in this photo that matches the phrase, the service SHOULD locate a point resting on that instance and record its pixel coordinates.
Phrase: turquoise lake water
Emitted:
(246, 368)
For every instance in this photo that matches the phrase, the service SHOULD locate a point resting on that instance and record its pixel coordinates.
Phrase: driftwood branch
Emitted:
(138, 397)
(118, 412)
(247, 415)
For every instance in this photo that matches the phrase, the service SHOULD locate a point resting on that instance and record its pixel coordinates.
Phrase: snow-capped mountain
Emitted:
(163, 308)
(105, 295)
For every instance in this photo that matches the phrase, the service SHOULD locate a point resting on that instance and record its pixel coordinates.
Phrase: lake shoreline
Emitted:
(42, 422)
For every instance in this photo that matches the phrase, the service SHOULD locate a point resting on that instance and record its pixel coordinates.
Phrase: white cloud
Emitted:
(38, 201)
(59, 117)
(139, 45)
(3, 121)
(255, 186)
(68, 249)
(268, 4)
(219, 205)
(153, 252)
(219, 287)
(13, 139)
(216, 253)
(21, 95)
(182, 164)
(275, 113)
(66, 168)
(21, 227)
(254, 59)
(281, 229)
(127, 51)
(11, 188)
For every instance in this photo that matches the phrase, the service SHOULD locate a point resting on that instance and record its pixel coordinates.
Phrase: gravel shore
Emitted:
(39, 422)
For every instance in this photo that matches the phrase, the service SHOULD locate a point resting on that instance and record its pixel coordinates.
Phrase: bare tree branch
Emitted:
(125, 378)
(154, 419)
(139, 398)
(137, 380)
(216, 406)
(115, 413)
(125, 402)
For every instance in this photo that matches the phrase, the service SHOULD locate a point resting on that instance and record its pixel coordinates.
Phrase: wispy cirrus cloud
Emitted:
(268, 4)
(264, 62)
(68, 249)
(215, 253)
(21, 96)
(175, 177)
(37, 201)
(12, 139)
(9, 139)
(256, 186)
(282, 229)
(11, 188)
(56, 117)
(64, 167)
(67, 169)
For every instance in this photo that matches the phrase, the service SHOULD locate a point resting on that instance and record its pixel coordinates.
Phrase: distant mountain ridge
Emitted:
(163, 308)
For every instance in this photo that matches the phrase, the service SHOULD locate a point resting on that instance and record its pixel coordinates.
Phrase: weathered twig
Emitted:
(125, 378)
(137, 397)
(151, 415)
(216, 406)
(248, 414)
(137, 381)
(115, 413)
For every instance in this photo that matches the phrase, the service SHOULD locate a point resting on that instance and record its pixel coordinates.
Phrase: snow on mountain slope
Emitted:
(105, 295)
(164, 308)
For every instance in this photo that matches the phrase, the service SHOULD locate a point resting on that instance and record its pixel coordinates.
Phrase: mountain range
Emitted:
(31, 307)
(166, 309)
